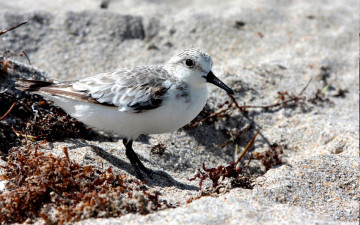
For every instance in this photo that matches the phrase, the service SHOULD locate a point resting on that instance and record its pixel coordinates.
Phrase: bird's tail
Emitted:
(31, 85)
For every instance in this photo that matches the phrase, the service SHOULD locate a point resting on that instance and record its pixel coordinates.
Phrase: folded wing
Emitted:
(132, 90)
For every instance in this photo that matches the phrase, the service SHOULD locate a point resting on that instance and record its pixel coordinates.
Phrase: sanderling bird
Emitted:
(140, 100)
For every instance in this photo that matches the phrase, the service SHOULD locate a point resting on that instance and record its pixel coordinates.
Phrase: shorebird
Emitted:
(150, 99)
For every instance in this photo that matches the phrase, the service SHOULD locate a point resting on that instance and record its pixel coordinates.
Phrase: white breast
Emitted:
(174, 113)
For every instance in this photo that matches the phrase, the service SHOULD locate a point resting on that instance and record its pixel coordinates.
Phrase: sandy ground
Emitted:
(258, 49)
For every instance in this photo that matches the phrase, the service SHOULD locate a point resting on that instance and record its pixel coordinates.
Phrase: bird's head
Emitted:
(194, 67)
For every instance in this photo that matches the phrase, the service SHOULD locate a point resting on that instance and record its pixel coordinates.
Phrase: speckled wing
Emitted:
(133, 90)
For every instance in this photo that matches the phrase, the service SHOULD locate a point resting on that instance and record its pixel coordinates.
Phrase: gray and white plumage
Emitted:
(131, 90)
(139, 100)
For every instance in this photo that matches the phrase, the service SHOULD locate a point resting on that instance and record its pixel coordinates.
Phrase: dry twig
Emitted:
(247, 147)
(12, 106)
(12, 28)
(282, 103)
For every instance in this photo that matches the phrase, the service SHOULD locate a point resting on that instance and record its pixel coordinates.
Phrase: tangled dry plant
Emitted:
(61, 191)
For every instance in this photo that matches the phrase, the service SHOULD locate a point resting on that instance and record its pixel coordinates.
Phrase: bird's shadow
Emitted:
(111, 137)
(158, 177)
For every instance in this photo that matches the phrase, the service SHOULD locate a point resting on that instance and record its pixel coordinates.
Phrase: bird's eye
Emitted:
(189, 62)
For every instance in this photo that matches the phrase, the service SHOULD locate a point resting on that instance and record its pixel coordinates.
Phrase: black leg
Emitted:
(134, 160)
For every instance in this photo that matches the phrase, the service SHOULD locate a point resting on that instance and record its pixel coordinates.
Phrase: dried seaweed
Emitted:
(284, 99)
(60, 191)
(214, 174)
(271, 157)
(158, 149)
(30, 116)
(232, 170)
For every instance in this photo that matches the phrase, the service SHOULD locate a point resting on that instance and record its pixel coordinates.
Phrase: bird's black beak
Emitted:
(211, 78)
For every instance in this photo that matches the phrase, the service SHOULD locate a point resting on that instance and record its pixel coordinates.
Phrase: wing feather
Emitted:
(135, 89)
